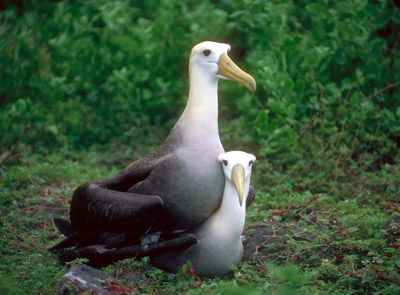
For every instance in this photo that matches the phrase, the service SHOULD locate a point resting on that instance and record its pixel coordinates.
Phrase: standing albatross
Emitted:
(175, 187)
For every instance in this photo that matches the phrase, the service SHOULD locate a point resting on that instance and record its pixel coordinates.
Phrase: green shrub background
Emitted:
(79, 73)
(84, 78)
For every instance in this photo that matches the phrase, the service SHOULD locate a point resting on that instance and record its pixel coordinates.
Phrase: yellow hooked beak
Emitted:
(228, 69)
(238, 180)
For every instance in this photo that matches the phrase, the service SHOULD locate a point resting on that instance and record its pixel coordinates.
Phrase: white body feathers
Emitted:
(219, 245)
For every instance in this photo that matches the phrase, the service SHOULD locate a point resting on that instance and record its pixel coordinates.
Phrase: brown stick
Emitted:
(369, 97)
(305, 129)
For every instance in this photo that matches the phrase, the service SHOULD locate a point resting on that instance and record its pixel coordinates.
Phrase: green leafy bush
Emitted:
(320, 58)
(85, 72)
(89, 71)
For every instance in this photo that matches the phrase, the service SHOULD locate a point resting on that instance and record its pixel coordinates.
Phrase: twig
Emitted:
(305, 129)
(267, 240)
(27, 267)
(354, 141)
(374, 94)
(263, 243)
(337, 165)
(340, 135)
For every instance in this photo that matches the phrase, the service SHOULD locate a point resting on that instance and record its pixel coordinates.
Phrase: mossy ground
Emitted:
(353, 256)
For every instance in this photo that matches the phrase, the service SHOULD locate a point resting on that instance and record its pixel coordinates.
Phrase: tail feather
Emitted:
(70, 241)
(64, 226)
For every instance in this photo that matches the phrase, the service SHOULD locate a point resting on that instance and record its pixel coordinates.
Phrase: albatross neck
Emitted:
(201, 113)
(229, 219)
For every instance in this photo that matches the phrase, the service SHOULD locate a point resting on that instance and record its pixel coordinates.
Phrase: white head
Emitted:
(210, 59)
(237, 167)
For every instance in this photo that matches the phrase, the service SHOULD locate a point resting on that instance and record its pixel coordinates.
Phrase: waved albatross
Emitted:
(218, 237)
(175, 187)
(212, 247)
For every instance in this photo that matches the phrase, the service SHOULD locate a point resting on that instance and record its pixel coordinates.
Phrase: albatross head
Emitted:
(237, 169)
(210, 59)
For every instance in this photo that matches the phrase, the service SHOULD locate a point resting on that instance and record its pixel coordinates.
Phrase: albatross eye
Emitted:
(207, 52)
(225, 162)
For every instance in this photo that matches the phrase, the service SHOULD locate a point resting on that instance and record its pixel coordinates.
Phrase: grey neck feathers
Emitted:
(199, 121)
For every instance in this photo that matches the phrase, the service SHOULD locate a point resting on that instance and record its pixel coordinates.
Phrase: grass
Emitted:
(349, 252)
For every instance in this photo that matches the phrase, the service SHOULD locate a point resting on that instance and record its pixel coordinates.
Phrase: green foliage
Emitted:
(94, 70)
(320, 58)
(78, 73)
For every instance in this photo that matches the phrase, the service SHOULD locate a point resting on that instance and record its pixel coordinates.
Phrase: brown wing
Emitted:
(251, 196)
(106, 204)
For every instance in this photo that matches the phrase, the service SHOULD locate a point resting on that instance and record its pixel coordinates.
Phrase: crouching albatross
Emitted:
(218, 238)
(174, 188)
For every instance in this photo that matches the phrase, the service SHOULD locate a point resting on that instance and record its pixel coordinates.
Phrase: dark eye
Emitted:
(250, 163)
(207, 52)
(225, 162)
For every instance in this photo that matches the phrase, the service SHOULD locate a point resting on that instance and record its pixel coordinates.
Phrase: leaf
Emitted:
(317, 9)
(310, 59)
(53, 129)
(275, 106)
(287, 84)
(291, 111)
(352, 229)
(262, 120)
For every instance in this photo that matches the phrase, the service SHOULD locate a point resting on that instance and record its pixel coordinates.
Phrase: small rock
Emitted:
(81, 278)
